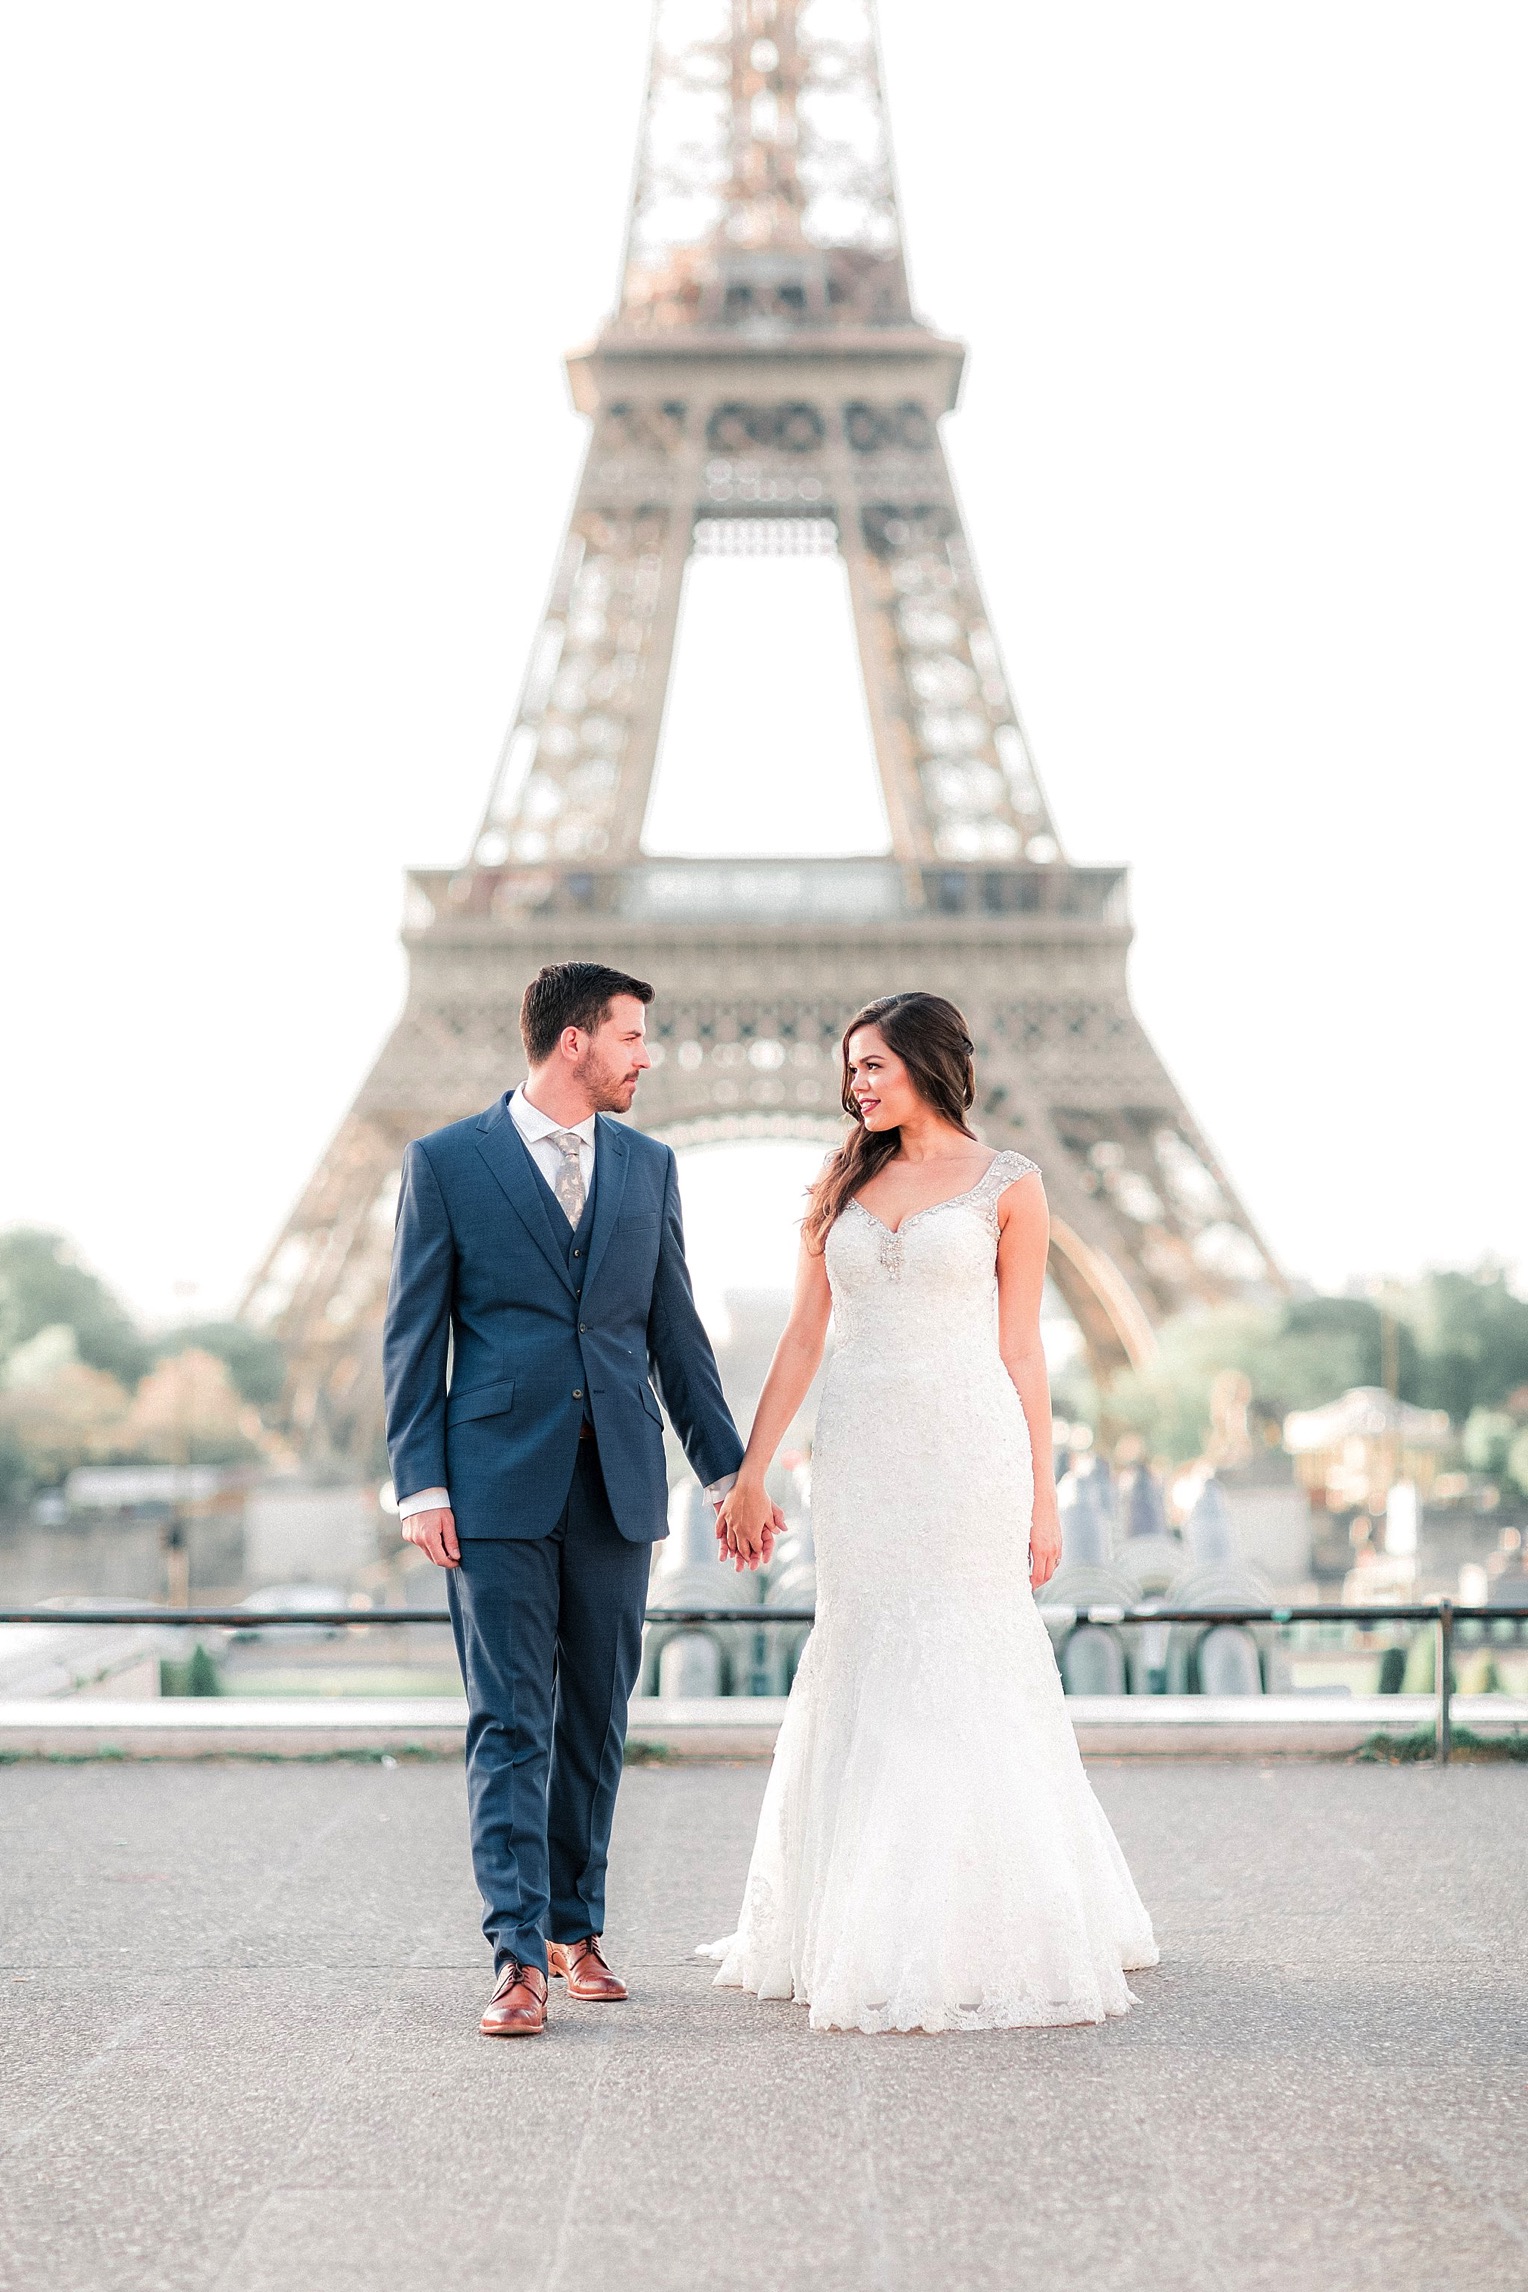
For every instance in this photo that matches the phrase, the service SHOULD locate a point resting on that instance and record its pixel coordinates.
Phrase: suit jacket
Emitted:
(537, 1338)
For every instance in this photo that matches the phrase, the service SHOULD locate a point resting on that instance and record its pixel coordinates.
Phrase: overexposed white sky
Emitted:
(758, 755)
(287, 452)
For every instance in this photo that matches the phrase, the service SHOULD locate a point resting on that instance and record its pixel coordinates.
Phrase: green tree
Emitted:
(1346, 1336)
(15, 1470)
(1295, 1357)
(1460, 1344)
(73, 1415)
(198, 1677)
(1487, 1441)
(202, 1673)
(43, 1285)
(255, 1363)
(186, 1409)
(1167, 1401)
(1322, 1347)
(1471, 1333)
(1517, 1462)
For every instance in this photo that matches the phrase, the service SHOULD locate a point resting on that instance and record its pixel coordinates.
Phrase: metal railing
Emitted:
(1444, 1615)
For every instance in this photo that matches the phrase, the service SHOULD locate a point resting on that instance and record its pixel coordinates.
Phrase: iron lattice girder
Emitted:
(837, 435)
(746, 1023)
(764, 383)
(764, 191)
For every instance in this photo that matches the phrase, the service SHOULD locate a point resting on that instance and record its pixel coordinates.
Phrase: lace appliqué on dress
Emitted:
(983, 1197)
(930, 1854)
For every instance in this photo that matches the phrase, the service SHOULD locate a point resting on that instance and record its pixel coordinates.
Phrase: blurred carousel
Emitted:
(1120, 1553)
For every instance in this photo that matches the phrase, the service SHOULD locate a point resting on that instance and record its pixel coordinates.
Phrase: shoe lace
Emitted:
(511, 1978)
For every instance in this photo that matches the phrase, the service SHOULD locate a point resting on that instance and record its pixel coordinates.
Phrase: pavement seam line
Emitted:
(125, 2035)
(557, 2258)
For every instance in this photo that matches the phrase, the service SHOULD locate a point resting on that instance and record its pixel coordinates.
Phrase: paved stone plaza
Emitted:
(240, 2052)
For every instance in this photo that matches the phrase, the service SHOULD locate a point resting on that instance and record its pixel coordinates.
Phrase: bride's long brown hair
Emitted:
(933, 1042)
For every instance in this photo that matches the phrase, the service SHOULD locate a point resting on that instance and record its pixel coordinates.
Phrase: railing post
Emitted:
(1445, 1666)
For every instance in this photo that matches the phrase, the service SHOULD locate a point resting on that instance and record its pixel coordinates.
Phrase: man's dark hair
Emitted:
(571, 995)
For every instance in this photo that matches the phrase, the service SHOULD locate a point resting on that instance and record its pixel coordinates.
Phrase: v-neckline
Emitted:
(928, 1208)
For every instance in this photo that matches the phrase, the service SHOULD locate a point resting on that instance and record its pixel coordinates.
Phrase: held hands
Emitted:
(747, 1530)
(1044, 1538)
(435, 1534)
(748, 1526)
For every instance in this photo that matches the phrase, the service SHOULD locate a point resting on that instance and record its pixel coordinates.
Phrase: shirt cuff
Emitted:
(428, 1500)
(720, 1488)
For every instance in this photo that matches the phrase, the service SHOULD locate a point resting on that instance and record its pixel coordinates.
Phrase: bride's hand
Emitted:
(1044, 1540)
(727, 1550)
(746, 1524)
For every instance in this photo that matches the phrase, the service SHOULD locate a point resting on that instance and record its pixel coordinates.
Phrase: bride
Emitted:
(930, 1854)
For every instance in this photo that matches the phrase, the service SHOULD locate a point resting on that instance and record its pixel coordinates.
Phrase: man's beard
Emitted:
(610, 1087)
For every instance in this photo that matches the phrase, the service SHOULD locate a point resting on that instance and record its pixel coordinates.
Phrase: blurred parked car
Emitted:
(294, 1600)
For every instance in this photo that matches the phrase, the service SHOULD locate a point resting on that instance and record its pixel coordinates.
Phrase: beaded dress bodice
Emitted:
(885, 1279)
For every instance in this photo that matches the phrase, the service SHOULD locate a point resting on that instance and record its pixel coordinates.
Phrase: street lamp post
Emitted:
(177, 1543)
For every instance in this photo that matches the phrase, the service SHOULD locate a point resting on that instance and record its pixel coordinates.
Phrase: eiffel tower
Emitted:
(764, 386)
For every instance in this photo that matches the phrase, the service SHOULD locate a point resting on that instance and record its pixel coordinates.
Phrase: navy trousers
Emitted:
(549, 1637)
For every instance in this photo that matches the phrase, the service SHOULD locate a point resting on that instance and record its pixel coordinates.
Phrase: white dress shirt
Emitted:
(537, 1129)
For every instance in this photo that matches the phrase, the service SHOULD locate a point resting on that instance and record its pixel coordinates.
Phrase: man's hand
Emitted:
(748, 1527)
(775, 1528)
(726, 1548)
(435, 1534)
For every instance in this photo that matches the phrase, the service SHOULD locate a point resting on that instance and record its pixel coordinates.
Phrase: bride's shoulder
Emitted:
(1000, 1201)
(1005, 1168)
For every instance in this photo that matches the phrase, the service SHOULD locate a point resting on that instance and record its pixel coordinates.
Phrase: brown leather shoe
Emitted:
(582, 1966)
(518, 2005)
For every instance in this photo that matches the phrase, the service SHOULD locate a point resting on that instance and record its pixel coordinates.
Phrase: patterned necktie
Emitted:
(569, 1187)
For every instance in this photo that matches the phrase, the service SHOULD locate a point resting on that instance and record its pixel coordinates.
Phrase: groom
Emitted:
(539, 1266)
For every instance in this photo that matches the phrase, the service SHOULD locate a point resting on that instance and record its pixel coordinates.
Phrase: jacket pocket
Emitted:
(649, 1402)
(481, 1401)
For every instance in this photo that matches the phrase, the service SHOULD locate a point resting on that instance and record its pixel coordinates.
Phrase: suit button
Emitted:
(583, 1328)
(578, 1392)
(578, 1253)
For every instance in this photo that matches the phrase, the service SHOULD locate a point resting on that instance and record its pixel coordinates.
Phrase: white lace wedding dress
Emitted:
(930, 1853)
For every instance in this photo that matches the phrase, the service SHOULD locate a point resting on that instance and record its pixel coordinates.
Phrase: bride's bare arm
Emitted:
(1023, 1243)
(798, 1357)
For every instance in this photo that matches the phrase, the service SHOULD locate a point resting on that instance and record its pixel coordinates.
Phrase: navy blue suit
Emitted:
(550, 1441)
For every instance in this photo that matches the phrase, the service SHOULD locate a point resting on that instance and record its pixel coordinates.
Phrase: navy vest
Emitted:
(568, 1237)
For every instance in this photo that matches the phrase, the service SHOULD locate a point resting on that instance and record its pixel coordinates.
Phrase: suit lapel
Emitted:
(503, 1149)
(610, 1152)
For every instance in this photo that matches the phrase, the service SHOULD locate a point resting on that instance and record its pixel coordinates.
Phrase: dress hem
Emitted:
(975, 2022)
